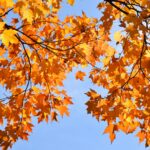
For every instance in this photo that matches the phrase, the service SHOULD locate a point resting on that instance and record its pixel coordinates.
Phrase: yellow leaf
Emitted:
(129, 119)
(122, 75)
(35, 89)
(8, 36)
(6, 3)
(2, 25)
(106, 60)
(147, 54)
(28, 15)
(117, 36)
(71, 2)
(86, 50)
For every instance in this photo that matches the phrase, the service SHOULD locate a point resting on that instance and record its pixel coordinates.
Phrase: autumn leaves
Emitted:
(38, 50)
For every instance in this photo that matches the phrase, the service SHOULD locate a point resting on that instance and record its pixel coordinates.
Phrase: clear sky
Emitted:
(80, 131)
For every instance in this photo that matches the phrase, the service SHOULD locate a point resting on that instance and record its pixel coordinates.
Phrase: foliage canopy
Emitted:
(38, 50)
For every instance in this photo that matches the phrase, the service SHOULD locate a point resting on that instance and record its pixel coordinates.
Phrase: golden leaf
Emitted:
(63, 110)
(28, 15)
(80, 75)
(71, 2)
(8, 36)
(117, 36)
(2, 24)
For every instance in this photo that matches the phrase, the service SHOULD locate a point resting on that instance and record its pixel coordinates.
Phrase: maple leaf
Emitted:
(109, 129)
(53, 116)
(28, 15)
(117, 36)
(93, 94)
(8, 36)
(63, 110)
(112, 137)
(71, 2)
(38, 51)
(141, 136)
(80, 75)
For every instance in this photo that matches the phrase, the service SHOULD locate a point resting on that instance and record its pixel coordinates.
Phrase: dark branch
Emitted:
(6, 13)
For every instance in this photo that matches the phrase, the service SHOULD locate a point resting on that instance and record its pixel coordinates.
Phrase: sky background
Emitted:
(80, 131)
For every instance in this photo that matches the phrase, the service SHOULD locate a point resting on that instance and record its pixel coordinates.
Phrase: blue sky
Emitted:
(80, 131)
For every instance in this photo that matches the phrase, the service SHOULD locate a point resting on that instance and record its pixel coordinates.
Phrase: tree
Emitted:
(38, 50)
